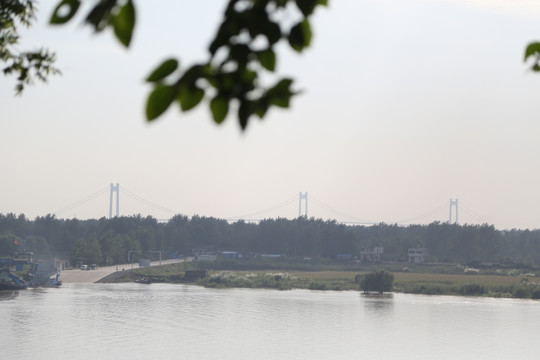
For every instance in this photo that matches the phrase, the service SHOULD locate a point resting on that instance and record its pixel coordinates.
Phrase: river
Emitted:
(166, 321)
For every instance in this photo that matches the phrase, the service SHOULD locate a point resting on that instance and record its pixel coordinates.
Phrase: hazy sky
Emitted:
(406, 104)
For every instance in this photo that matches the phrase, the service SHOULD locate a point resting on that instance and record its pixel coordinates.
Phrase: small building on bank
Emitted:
(205, 257)
(374, 254)
(417, 255)
(230, 254)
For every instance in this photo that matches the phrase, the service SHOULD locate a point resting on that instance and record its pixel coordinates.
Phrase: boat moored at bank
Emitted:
(21, 271)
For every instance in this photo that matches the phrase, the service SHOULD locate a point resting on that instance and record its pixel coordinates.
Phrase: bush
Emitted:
(426, 289)
(377, 281)
(317, 285)
(522, 293)
(472, 289)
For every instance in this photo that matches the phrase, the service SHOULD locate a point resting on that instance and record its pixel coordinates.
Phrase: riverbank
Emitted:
(77, 276)
(510, 285)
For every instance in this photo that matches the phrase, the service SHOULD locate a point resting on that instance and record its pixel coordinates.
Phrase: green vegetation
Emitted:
(506, 284)
(533, 51)
(242, 52)
(376, 281)
(237, 57)
(417, 283)
(270, 279)
(479, 260)
(27, 66)
(516, 286)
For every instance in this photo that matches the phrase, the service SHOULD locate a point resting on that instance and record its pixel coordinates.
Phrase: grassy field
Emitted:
(442, 280)
(466, 284)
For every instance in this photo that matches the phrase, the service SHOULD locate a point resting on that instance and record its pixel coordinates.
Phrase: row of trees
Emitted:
(107, 241)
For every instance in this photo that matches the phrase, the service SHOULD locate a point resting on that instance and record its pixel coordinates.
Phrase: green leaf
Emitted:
(532, 48)
(124, 22)
(100, 15)
(281, 101)
(262, 106)
(267, 58)
(162, 71)
(306, 6)
(272, 31)
(281, 93)
(159, 100)
(219, 107)
(230, 27)
(245, 110)
(194, 73)
(300, 36)
(71, 6)
(322, 2)
(190, 97)
(248, 76)
(240, 53)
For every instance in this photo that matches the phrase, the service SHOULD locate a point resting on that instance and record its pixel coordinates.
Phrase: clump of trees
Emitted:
(376, 281)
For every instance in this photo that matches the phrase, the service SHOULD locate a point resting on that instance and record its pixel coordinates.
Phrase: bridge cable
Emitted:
(472, 213)
(82, 201)
(146, 202)
(273, 208)
(421, 216)
(337, 212)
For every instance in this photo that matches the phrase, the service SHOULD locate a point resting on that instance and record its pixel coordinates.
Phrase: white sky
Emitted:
(406, 104)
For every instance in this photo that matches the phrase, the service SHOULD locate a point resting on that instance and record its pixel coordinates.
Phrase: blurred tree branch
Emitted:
(26, 65)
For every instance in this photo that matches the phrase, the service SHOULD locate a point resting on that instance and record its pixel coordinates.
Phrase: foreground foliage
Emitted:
(242, 51)
(243, 48)
(27, 66)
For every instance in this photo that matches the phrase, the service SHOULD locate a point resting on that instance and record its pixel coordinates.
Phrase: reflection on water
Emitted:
(379, 303)
(164, 321)
(7, 295)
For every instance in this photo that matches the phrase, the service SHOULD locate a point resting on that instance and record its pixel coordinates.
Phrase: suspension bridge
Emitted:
(122, 202)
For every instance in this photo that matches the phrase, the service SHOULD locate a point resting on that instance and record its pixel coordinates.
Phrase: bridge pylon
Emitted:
(114, 188)
(304, 197)
(453, 203)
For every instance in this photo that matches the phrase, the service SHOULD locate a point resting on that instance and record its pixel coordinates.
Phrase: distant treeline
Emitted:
(107, 241)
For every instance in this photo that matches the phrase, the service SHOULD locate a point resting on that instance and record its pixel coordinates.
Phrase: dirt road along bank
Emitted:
(78, 276)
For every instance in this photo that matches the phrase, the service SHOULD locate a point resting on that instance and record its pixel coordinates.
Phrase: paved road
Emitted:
(90, 276)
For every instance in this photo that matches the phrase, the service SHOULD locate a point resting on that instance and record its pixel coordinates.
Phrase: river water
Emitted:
(166, 321)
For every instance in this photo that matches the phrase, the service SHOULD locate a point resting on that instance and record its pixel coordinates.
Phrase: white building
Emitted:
(417, 255)
(372, 255)
(206, 257)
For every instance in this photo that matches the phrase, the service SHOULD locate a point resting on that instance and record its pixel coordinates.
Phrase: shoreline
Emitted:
(478, 285)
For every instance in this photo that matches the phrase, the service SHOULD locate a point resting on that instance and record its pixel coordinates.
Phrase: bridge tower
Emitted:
(453, 203)
(304, 197)
(114, 188)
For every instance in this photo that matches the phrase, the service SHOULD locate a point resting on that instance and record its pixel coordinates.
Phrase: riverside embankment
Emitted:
(77, 276)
